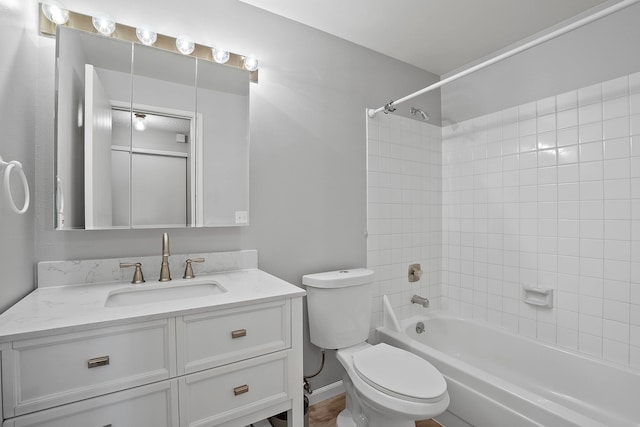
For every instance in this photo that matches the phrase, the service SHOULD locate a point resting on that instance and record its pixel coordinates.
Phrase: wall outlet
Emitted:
(242, 217)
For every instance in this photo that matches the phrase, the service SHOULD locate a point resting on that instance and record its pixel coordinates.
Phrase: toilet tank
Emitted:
(339, 307)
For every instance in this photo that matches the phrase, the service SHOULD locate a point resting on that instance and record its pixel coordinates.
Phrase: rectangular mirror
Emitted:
(148, 138)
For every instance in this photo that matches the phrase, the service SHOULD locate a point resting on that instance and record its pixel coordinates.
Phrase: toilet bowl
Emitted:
(385, 386)
(391, 387)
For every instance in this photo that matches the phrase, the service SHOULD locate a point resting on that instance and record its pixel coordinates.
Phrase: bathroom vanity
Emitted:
(112, 354)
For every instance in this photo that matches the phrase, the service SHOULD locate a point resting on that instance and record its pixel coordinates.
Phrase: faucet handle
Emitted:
(188, 270)
(137, 275)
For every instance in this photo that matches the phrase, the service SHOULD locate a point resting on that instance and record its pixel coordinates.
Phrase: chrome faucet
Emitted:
(165, 274)
(416, 299)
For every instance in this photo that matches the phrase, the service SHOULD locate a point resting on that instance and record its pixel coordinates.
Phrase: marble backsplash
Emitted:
(93, 271)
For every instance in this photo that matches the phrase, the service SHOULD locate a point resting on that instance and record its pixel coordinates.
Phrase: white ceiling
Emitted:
(436, 35)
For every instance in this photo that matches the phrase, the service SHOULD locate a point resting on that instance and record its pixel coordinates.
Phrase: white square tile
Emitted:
(568, 118)
(567, 155)
(546, 106)
(616, 165)
(590, 324)
(591, 151)
(567, 100)
(568, 173)
(615, 290)
(527, 143)
(590, 113)
(591, 171)
(591, 209)
(634, 356)
(568, 136)
(615, 88)
(567, 338)
(616, 310)
(616, 107)
(590, 344)
(618, 250)
(617, 189)
(546, 332)
(547, 140)
(527, 127)
(591, 190)
(546, 123)
(547, 157)
(615, 128)
(591, 132)
(526, 111)
(590, 94)
(617, 229)
(591, 229)
(615, 351)
(617, 331)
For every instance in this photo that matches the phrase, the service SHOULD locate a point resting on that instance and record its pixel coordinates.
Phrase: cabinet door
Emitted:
(44, 372)
(224, 394)
(212, 339)
(155, 405)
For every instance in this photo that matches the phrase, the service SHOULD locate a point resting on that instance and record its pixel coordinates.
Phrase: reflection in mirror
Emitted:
(142, 143)
(92, 71)
(223, 106)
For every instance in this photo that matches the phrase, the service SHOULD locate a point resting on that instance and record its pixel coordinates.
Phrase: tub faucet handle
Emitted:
(417, 299)
(137, 275)
(188, 270)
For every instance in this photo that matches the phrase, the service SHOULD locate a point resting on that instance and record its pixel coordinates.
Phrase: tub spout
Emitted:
(416, 299)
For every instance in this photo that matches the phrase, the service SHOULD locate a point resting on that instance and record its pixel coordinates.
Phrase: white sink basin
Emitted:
(149, 293)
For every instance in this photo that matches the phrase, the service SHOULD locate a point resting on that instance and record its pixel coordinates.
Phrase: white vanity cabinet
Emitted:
(217, 367)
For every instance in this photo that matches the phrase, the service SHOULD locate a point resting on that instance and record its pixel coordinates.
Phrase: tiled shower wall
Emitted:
(547, 194)
(404, 211)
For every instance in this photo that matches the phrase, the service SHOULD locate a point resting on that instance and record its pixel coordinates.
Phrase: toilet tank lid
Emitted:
(339, 278)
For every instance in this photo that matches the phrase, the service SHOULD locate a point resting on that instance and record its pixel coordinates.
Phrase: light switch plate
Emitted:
(242, 217)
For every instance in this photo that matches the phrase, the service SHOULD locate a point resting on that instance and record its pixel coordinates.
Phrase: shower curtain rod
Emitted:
(390, 107)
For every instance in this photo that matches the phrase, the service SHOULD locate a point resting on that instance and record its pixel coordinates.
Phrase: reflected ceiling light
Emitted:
(219, 55)
(185, 44)
(146, 35)
(138, 122)
(250, 63)
(55, 12)
(104, 24)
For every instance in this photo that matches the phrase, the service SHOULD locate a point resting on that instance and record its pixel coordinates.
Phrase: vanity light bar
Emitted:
(82, 22)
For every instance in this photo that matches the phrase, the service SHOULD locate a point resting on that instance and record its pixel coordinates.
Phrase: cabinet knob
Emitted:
(237, 391)
(98, 361)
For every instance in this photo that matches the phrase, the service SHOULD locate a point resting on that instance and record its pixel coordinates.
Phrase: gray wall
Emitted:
(308, 159)
(602, 50)
(17, 108)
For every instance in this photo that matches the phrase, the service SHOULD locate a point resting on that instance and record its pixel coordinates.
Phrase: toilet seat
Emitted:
(399, 373)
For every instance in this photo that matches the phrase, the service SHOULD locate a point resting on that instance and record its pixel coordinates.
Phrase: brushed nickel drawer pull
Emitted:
(239, 333)
(98, 361)
(240, 390)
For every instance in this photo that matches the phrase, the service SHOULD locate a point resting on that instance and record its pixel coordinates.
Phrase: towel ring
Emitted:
(8, 167)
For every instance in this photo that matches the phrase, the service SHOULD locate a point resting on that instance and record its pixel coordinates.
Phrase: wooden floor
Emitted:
(324, 414)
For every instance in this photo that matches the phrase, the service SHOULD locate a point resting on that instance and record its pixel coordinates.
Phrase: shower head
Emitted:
(424, 115)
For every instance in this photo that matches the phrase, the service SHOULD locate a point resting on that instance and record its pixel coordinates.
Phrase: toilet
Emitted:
(385, 386)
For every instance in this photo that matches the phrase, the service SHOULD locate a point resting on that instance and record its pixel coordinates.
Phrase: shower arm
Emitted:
(390, 106)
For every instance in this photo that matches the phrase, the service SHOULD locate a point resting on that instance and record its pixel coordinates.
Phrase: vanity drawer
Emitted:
(155, 405)
(44, 372)
(217, 338)
(223, 394)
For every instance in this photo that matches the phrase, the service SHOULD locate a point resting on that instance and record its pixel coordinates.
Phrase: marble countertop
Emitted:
(62, 309)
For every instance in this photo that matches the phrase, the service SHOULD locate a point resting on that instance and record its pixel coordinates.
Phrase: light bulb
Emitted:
(104, 24)
(185, 44)
(219, 55)
(250, 63)
(55, 12)
(138, 122)
(146, 35)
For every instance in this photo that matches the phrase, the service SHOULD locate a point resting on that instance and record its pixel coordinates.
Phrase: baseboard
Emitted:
(326, 392)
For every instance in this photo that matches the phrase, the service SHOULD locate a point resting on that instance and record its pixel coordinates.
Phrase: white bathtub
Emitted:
(496, 378)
